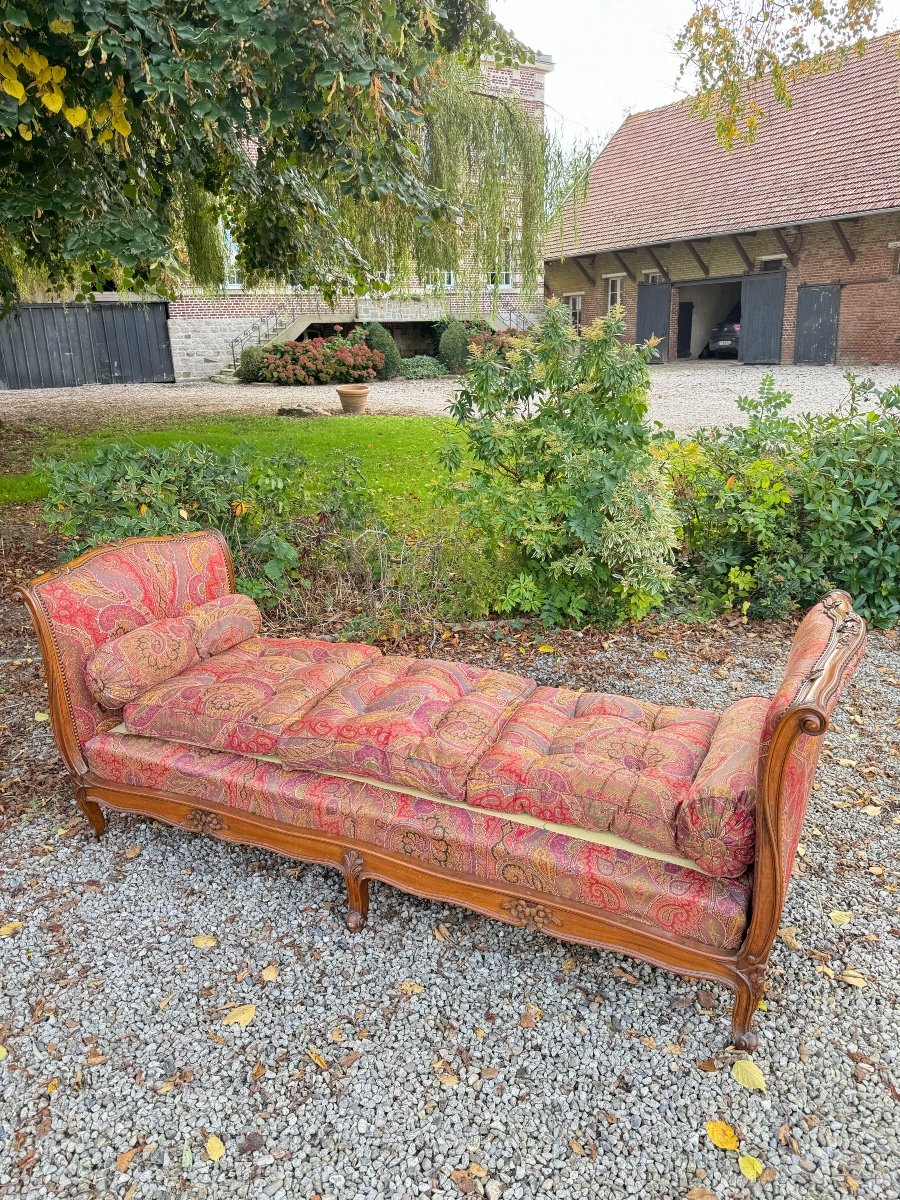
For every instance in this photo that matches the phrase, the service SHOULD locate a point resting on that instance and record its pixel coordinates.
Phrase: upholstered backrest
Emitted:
(114, 589)
(826, 651)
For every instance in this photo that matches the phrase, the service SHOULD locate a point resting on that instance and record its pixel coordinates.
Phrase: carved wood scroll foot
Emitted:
(357, 890)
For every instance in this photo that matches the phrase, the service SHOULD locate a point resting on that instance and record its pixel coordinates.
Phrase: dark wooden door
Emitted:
(685, 327)
(762, 317)
(818, 309)
(64, 345)
(654, 308)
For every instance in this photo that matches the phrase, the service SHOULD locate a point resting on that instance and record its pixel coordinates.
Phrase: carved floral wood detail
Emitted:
(531, 915)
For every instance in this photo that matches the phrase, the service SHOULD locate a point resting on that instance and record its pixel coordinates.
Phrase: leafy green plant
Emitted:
(776, 511)
(251, 364)
(563, 481)
(129, 491)
(453, 348)
(381, 340)
(422, 366)
(342, 358)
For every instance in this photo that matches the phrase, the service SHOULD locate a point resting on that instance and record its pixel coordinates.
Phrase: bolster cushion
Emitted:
(220, 624)
(716, 821)
(124, 667)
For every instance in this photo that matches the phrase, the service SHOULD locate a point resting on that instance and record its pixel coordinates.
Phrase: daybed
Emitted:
(663, 832)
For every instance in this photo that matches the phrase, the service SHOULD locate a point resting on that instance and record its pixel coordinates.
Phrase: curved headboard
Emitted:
(106, 592)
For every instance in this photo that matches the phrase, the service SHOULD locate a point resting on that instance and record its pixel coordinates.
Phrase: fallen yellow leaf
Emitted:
(660, 654)
(871, 810)
(445, 1073)
(204, 941)
(853, 977)
(545, 650)
(789, 936)
(52, 1086)
(317, 1058)
(336, 1035)
(409, 987)
(722, 1135)
(123, 1162)
(270, 973)
(840, 917)
(215, 1148)
(748, 1075)
(166, 1001)
(576, 1147)
(242, 1015)
(10, 928)
(3, 1053)
(132, 851)
(477, 1170)
(569, 964)
(441, 933)
(751, 1168)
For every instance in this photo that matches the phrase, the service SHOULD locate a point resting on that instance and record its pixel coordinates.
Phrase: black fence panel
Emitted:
(66, 345)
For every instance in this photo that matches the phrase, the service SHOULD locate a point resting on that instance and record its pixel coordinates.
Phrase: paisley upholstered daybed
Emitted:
(666, 833)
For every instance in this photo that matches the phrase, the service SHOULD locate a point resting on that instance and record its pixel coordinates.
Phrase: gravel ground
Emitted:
(119, 1067)
(684, 396)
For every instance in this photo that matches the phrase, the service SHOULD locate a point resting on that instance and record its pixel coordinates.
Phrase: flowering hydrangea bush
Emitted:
(338, 359)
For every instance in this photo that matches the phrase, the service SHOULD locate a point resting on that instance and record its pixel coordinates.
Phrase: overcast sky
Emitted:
(612, 56)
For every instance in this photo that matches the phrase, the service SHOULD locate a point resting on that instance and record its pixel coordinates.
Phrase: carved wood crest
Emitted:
(201, 820)
(529, 913)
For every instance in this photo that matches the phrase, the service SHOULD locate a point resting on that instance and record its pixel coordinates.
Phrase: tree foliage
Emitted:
(325, 136)
(732, 44)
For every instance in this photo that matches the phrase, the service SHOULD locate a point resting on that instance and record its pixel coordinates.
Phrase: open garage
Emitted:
(701, 306)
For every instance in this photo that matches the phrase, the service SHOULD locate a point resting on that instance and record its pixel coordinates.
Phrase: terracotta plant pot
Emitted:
(354, 397)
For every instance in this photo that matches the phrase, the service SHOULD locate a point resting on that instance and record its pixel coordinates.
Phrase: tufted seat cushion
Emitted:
(240, 699)
(414, 722)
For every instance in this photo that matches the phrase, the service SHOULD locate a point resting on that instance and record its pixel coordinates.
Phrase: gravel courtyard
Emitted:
(684, 396)
(437, 1054)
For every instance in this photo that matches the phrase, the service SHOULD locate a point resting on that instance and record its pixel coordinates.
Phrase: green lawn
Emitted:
(397, 453)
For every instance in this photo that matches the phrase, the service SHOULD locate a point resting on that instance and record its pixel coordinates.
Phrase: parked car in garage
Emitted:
(725, 337)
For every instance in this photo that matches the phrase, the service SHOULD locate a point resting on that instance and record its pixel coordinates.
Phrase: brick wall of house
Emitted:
(869, 324)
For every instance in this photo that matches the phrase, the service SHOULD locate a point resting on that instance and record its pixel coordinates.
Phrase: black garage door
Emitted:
(64, 345)
(818, 306)
(654, 312)
(762, 317)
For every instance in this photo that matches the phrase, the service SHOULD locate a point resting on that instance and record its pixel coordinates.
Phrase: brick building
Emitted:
(205, 331)
(795, 238)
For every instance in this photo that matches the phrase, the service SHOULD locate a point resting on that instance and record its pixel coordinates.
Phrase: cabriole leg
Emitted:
(93, 812)
(746, 1001)
(357, 891)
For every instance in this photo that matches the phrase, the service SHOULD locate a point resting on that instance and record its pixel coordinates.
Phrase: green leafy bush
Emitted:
(337, 359)
(777, 511)
(250, 365)
(563, 483)
(453, 348)
(422, 366)
(381, 340)
(129, 491)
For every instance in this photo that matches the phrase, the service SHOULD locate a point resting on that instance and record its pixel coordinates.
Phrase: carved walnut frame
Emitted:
(742, 970)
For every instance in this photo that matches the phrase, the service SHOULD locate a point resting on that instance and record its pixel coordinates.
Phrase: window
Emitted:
(573, 302)
(504, 279)
(232, 275)
(652, 276)
(614, 291)
(772, 262)
(894, 248)
(449, 281)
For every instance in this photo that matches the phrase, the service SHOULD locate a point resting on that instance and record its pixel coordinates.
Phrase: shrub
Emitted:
(453, 348)
(422, 366)
(338, 359)
(127, 491)
(775, 513)
(562, 477)
(381, 340)
(250, 365)
(501, 340)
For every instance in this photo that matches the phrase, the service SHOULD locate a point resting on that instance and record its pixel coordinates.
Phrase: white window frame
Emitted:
(449, 281)
(233, 281)
(568, 297)
(616, 281)
(764, 258)
(653, 275)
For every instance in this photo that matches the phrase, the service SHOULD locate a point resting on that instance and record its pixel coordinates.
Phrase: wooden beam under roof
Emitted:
(654, 258)
(741, 249)
(695, 254)
(585, 272)
(786, 249)
(845, 244)
(624, 265)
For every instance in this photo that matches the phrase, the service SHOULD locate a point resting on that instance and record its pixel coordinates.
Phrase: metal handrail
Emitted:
(266, 326)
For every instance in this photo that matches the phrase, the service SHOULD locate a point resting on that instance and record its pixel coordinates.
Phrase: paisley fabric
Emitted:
(716, 823)
(660, 896)
(131, 583)
(596, 761)
(416, 722)
(122, 668)
(240, 699)
(220, 624)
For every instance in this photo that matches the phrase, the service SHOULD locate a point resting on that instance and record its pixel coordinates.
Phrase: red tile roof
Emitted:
(663, 177)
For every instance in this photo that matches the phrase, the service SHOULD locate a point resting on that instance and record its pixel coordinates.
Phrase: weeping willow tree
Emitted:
(336, 142)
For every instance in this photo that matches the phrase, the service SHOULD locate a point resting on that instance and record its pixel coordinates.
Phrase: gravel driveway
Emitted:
(684, 396)
(397, 1063)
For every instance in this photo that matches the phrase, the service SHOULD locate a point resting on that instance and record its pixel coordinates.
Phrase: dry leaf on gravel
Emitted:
(853, 977)
(569, 964)
(708, 1064)
(3, 1053)
(748, 1075)
(477, 1170)
(445, 1074)
(626, 975)
(722, 1135)
(132, 851)
(10, 928)
(123, 1162)
(789, 936)
(336, 1035)
(768, 1176)
(576, 1147)
(441, 933)
(242, 1015)
(166, 1001)
(700, 1193)
(215, 1148)
(269, 973)
(751, 1168)
(204, 941)
(409, 987)
(257, 1073)
(840, 917)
